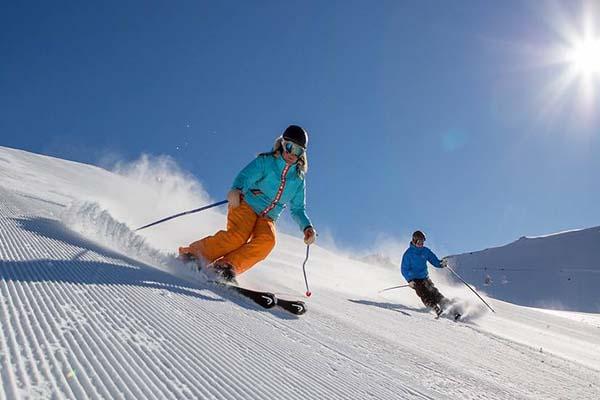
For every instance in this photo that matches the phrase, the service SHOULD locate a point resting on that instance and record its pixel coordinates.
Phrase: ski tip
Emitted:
(294, 307)
(268, 302)
(300, 309)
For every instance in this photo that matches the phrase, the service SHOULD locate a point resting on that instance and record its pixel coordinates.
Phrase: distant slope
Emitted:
(560, 271)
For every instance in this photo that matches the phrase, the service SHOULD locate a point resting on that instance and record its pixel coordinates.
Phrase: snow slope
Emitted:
(89, 309)
(560, 271)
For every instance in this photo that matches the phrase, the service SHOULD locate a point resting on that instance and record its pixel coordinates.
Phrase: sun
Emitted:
(585, 56)
(572, 84)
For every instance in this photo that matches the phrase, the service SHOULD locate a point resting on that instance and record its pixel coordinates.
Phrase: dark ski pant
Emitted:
(428, 293)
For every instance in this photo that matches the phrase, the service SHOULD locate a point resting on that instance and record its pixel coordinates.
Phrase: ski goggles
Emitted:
(292, 148)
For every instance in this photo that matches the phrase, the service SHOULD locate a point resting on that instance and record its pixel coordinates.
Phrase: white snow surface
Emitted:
(90, 309)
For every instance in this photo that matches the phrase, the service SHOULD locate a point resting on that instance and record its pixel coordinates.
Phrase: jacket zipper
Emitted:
(279, 191)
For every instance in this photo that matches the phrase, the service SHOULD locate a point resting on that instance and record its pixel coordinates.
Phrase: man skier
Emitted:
(414, 270)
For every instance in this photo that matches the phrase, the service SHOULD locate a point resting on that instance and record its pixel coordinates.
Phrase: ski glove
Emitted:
(444, 263)
(411, 284)
(310, 235)
(233, 197)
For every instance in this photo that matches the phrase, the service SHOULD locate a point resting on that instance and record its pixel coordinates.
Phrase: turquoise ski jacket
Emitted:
(269, 184)
(414, 262)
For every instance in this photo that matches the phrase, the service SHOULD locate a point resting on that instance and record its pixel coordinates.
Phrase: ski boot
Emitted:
(186, 257)
(437, 309)
(220, 271)
(451, 307)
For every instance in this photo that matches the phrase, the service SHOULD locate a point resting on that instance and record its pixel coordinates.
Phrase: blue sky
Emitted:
(450, 119)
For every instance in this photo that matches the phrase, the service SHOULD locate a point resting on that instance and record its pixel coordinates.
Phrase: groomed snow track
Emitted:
(80, 320)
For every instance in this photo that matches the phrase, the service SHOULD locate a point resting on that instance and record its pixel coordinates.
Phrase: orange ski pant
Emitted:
(248, 239)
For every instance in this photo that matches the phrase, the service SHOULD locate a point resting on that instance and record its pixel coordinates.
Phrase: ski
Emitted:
(454, 310)
(455, 316)
(263, 299)
(296, 307)
(449, 311)
(266, 299)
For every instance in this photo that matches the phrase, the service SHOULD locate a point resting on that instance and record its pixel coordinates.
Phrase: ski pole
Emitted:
(308, 292)
(393, 287)
(182, 213)
(473, 290)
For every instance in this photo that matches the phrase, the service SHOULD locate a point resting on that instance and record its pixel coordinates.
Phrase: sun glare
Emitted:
(585, 57)
(573, 62)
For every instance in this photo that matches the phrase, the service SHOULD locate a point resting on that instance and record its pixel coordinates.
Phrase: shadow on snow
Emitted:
(124, 271)
(389, 306)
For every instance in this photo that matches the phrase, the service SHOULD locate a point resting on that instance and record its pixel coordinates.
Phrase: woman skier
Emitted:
(257, 197)
(414, 270)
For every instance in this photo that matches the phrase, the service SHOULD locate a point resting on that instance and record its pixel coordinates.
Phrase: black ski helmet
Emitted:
(296, 134)
(418, 235)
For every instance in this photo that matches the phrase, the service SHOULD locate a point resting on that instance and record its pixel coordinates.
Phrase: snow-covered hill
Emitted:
(89, 309)
(560, 271)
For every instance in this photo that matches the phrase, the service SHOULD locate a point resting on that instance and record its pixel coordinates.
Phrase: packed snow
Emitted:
(91, 309)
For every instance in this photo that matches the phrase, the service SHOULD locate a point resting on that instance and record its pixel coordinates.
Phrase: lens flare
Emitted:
(585, 57)
(569, 65)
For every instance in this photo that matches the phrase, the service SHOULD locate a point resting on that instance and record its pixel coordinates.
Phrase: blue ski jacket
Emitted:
(269, 184)
(414, 262)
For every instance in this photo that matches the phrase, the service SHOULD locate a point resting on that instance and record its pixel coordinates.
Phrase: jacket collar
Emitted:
(413, 246)
(281, 162)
